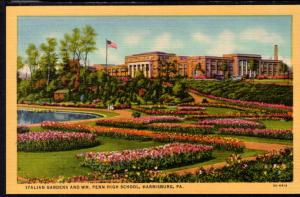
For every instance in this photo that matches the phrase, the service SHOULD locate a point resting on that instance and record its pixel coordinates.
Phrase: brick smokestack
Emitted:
(275, 52)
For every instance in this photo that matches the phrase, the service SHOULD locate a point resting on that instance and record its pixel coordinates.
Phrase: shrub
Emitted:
(136, 114)
(205, 100)
(22, 129)
(54, 141)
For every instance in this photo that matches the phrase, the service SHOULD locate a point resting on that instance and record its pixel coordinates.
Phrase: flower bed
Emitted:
(231, 122)
(137, 123)
(189, 108)
(271, 167)
(269, 133)
(158, 112)
(245, 103)
(182, 128)
(68, 127)
(54, 141)
(275, 116)
(160, 157)
(223, 105)
(222, 143)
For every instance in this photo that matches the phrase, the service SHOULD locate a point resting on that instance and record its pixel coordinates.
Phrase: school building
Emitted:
(238, 65)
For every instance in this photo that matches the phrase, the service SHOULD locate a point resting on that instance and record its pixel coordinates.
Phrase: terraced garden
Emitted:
(166, 144)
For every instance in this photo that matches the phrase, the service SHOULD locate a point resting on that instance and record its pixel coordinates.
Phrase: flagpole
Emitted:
(106, 53)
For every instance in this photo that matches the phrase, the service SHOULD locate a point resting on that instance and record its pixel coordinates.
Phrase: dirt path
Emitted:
(198, 98)
(265, 146)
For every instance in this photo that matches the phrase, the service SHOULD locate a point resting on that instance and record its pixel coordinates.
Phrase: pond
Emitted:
(26, 117)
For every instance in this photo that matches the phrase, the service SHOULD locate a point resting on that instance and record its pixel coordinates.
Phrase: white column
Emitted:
(150, 71)
(144, 69)
(246, 63)
(132, 71)
(242, 66)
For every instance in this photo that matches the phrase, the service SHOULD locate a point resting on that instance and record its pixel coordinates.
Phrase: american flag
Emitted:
(111, 44)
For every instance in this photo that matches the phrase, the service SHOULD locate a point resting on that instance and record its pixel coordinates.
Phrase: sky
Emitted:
(183, 35)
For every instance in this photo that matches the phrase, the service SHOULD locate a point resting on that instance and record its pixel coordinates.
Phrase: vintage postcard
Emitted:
(152, 99)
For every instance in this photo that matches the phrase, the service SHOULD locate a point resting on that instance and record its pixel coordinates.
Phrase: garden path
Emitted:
(198, 98)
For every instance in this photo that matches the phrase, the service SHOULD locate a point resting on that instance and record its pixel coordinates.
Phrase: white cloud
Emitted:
(260, 34)
(285, 60)
(224, 43)
(135, 38)
(53, 35)
(200, 37)
(113, 56)
(165, 41)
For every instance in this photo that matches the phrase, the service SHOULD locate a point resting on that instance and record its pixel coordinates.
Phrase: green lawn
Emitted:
(218, 156)
(64, 163)
(273, 81)
(278, 124)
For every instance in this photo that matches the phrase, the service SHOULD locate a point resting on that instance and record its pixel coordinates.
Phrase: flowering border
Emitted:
(222, 143)
(160, 157)
(54, 141)
(269, 133)
(232, 122)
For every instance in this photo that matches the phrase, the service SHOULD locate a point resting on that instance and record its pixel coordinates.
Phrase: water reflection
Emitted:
(31, 117)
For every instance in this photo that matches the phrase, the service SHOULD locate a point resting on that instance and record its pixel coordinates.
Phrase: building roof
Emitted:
(271, 60)
(242, 55)
(153, 52)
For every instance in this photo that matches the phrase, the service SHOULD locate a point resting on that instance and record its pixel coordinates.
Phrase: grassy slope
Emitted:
(278, 124)
(273, 81)
(64, 163)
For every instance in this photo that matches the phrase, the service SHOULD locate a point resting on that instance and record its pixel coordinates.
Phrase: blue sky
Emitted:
(184, 35)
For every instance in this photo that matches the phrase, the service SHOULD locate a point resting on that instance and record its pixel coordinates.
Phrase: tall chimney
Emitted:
(275, 52)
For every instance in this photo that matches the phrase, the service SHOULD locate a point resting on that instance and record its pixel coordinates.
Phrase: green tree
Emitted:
(88, 43)
(49, 57)
(65, 49)
(20, 62)
(167, 69)
(32, 58)
(224, 67)
(284, 68)
(75, 44)
(253, 66)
